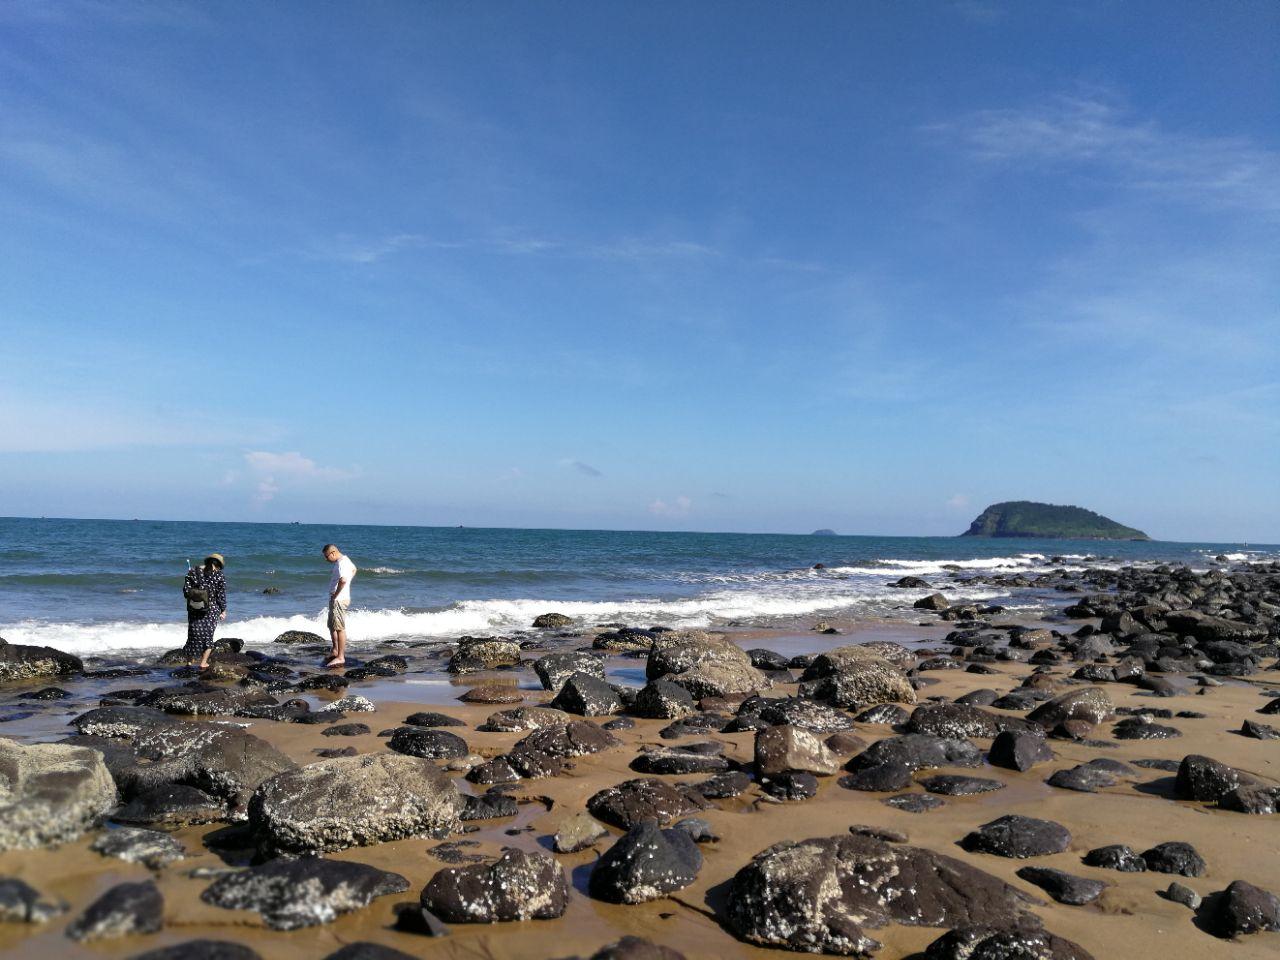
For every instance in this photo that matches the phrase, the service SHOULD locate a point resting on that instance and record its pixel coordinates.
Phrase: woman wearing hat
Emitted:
(206, 594)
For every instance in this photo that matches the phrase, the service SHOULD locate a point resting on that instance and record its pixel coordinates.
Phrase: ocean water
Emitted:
(99, 586)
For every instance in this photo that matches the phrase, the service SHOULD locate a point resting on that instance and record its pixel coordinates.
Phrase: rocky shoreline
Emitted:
(1101, 780)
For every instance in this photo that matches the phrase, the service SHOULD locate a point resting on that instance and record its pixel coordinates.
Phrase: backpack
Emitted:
(196, 593)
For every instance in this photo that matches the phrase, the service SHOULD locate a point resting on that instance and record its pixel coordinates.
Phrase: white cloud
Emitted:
(1138, 154)
(271, 470)
(679, 507)
(266, 490)
(349, 249)
(292, 464)
(958, 501)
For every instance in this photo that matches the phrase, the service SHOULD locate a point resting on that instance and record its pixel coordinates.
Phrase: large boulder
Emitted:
(1088, 703)
(19, 662)
(680, 761)
(555, 668)
(633, 801)
(645, 864)
(484, 653)
(551, 621)
(1203, 778)
(1016, 750)
(127, 908)
(840, 659)
(352, 801)
(983, 943)
(918, 751)
(149, 847)
(225, 762)
(1205, 627)
(1063, 887)
(50, 793)
(758, 712)
(518, 886)
(172, 805)
(563, 740)
(959, 720)
(706, 668)
(291, 894)
(522, 718)
(428, 743)
(787, 749)
(206, 700)
(663, 700)
(587, 696)
(122, 722)
(1017, 836)
(1242, 909)
(855, 678)
(290, 637)
(816, 896)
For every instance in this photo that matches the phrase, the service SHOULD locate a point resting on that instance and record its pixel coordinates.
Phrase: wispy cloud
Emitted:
(1135, 152)
(958, 501)
(348, 248)
(678, 507)
(293, 464)
(586, 469)
(271, 470)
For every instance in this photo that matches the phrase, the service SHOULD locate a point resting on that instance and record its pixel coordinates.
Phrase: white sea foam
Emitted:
(1022, 562)
(486, 616)
(732, 598)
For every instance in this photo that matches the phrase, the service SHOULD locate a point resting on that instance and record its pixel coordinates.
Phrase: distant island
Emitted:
(824, 532)
(1023, 518)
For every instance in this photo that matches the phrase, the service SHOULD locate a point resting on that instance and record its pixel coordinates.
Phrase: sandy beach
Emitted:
(1130, 915)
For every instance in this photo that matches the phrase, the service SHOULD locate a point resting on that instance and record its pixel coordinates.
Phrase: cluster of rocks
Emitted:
(151, 759)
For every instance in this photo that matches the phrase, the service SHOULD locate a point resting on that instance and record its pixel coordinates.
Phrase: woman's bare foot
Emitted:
(335, 662)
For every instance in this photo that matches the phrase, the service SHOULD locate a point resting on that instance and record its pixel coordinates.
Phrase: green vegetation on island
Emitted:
(1023, 518)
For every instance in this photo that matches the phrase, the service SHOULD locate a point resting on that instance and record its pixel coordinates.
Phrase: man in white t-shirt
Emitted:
(344, 571)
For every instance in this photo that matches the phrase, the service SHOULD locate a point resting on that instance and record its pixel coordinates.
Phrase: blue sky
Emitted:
(717, 266)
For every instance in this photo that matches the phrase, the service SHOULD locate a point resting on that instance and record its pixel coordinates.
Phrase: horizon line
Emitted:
(735, 533)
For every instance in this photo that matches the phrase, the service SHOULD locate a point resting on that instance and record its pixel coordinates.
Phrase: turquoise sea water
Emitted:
(103, 585)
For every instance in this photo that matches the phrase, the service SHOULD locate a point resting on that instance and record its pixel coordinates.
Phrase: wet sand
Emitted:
(1130, 919)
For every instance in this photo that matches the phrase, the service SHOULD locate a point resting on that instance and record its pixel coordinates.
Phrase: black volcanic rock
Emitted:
(518, 886)
(1018, 836)
(1063, 887)
(822, 894)
(647, 863)
(290, 894)
(1243, 908)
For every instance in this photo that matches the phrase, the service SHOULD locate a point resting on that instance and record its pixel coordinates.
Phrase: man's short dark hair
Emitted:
(327, 547)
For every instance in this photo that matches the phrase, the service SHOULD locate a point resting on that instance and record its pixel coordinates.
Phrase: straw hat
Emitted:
(216, 558)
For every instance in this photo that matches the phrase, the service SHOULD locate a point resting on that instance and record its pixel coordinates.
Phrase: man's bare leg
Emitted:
(339, 654)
